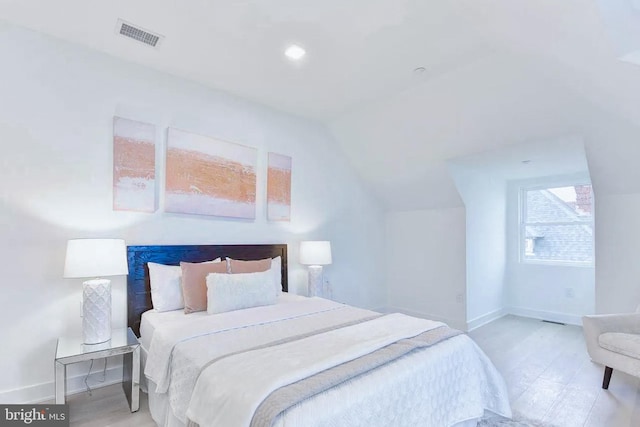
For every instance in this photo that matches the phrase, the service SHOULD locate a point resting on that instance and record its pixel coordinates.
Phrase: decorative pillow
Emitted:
(166, 290)
(228, 292)
(276, 270)
(257, 266)
(237, 266)
(194, 284)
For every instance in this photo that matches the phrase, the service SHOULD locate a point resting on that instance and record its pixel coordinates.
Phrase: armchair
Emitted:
(613, 340)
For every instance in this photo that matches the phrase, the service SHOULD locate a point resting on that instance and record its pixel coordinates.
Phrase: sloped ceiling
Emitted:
(622, 18)
(357, 50)
(498, 73)
(554, 73)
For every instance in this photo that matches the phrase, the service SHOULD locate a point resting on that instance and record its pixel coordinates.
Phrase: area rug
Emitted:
(496, 421)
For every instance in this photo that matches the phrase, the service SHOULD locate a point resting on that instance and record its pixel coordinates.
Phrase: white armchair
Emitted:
(613, 340)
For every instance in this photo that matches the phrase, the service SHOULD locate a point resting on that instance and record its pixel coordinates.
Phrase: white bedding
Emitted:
(448, 383)
(214, 401)
(152, 320)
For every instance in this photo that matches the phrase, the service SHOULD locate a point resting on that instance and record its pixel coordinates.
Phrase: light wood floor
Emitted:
(550, 378)
(107, 406)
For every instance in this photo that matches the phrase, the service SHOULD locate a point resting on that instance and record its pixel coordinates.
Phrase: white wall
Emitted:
(426, 264)
(58, 103)
(617, 249)
(541, 290)
(484, 199)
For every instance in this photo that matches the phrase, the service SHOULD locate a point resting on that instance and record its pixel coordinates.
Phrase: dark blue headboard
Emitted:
(139, 290)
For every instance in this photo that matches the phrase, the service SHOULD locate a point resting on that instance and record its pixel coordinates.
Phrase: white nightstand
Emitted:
(123, 341)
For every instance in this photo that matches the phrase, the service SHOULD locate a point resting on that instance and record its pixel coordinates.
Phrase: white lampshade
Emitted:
(317, 252)
(95, 258)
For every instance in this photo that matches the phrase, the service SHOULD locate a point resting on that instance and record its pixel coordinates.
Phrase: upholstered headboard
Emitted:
(138, 287)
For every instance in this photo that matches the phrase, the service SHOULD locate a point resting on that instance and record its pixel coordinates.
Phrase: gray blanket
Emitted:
(287, 396)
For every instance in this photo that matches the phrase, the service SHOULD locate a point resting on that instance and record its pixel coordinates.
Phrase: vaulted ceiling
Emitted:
(497, 73)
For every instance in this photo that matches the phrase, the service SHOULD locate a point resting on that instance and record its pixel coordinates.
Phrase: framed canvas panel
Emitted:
(279, 187)
(207, 176)
(134, 166)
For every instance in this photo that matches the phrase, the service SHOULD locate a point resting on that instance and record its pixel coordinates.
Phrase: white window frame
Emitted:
(522, 244)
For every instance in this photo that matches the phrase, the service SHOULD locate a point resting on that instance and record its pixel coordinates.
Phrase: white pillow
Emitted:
(166, 286)
(228, 292)
(276, 270)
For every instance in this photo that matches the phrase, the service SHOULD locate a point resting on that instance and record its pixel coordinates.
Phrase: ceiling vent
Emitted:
(134, 32)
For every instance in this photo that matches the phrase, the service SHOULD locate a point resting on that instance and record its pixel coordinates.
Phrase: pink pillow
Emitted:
(258, 266)
(194, 283)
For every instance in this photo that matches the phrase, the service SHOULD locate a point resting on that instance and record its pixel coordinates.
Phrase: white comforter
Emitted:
(216, 329)
(446, 384)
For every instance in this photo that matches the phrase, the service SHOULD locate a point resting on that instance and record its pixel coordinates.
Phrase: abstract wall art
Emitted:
(207, 176)
(279, 187)
(134, 166)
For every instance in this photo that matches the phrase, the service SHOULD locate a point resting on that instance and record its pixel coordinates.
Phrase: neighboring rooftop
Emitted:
(569, 242)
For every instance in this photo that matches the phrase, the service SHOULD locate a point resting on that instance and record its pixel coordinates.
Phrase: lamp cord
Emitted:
(104, 375)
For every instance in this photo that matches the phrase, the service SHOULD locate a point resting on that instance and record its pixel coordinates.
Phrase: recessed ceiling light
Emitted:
(295, 52)
(419, 70)
(526, 162)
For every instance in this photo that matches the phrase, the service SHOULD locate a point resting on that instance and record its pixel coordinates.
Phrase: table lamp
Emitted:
(96, 258)
(315, 254)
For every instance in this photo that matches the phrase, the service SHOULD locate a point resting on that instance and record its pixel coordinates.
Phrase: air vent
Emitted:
(137, 33)
(555, 323)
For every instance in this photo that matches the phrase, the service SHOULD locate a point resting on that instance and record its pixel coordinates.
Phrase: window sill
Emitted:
(558, 263)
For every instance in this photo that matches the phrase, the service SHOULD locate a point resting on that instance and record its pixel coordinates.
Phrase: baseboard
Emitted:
(454, 323)
(45, 392)
(486, 318)
(570, 319)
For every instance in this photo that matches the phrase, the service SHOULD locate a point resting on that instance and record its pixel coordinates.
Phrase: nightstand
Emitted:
(123, 341)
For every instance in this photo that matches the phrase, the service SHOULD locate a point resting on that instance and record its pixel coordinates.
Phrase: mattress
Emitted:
(447, 384)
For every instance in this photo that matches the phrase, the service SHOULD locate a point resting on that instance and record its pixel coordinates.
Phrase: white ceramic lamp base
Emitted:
(315, 281)
(96, 311)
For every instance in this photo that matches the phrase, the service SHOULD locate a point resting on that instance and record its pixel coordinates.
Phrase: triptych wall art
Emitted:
(279, 188)
(207, 176)
(134, 166)
(203, 175)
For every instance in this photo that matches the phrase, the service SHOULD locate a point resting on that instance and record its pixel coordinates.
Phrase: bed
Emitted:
(301, 361)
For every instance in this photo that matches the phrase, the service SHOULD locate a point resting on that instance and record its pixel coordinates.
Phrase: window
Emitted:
(557, 224)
